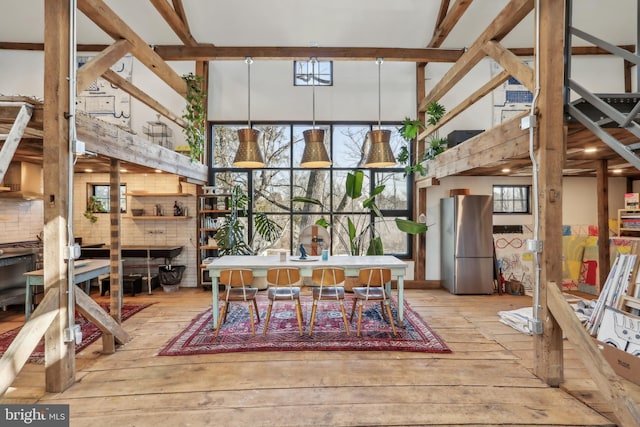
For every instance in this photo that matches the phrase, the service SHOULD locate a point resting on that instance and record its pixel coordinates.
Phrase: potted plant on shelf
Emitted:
(434, 143)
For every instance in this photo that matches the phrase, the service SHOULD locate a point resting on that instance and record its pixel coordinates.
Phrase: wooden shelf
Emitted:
(216, 211)
(208, 247)
(141, 194)
(164, 217)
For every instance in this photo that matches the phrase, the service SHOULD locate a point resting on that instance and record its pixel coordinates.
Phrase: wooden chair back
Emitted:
(236, 277)
(283, 276)
(330, 276)
(374, 276)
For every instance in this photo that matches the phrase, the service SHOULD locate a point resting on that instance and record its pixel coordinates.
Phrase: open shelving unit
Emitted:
(212, 209)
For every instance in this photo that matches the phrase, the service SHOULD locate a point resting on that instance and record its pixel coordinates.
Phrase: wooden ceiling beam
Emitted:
(101, 63)
(178, 23)
(466, 103)
(507, 19)
(502, 143)
(114, 26)
(220, 53)
(107, 139)
(511, 63)
(124, 84)
(518, 51)
(451, 18)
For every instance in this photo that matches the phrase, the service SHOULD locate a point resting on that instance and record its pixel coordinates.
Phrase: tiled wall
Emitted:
(161, 232)
(20, 220)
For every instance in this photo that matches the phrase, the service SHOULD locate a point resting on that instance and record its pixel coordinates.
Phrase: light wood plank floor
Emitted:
(487, 380)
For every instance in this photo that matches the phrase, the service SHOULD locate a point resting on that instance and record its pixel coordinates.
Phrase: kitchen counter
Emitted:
(134, 251)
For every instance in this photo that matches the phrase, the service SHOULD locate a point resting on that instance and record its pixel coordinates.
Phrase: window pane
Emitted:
(347, 146)
(275, 144)
(300, 222)
(342, 203)
(260, 246)
(393, 241)
(342, 244)
(511, 199)
(271, 190)
(313, 184)
(225, 144)
(394, 196)
(226, 181)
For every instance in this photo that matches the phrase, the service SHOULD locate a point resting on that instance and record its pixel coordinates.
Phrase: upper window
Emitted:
(101, 198)
(305, 73)
(512, 199)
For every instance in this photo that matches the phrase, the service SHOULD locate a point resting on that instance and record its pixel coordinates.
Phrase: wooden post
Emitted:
(419, 194)
(59, 356)
(548, 357)
(115, 257)
(604, 258)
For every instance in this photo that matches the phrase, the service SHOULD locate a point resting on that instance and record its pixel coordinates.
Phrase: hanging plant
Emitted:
(435, 145)
(194, 115)
(94, 205)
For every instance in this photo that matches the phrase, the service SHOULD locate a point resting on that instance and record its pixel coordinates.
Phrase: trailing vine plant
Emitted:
(435, 145)
(194, 115)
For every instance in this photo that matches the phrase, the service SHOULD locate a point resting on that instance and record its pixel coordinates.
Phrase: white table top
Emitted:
(350, 262)
(80, 267)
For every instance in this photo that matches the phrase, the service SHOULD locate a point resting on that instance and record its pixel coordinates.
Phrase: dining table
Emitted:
(351, 264)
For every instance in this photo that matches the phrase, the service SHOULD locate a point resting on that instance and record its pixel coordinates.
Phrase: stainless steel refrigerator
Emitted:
(466, 245)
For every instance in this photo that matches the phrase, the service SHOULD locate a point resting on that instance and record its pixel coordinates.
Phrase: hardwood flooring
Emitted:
(487, 380)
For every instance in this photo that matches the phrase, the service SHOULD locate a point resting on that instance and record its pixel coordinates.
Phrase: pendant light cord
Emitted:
(249, 60)
(379, 62)
(313, 89)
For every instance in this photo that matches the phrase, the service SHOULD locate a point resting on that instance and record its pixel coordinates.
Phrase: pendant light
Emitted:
(380, 153)
(248, 154)
(315, 153)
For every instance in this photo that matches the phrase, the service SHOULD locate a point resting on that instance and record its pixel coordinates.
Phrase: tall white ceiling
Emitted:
(336, 23)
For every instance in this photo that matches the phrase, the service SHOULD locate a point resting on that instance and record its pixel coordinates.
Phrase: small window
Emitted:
(101, 198)
(512, 199)
(306, 74)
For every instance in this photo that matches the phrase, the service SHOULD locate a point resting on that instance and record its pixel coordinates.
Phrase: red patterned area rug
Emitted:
(283, 334)
(90, 332)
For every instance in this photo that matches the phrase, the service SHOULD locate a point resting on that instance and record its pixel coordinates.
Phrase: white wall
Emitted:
(579, 206)
(353, 96)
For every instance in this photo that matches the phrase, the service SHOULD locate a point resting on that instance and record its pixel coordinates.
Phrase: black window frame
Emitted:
(375, 172)
(511, 200)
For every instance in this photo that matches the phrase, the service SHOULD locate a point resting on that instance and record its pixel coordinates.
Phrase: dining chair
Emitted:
(238, 289)
(281, 283)
(374, 280)
(331, 288)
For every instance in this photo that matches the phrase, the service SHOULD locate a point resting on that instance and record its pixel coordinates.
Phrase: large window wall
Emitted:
(274, 187)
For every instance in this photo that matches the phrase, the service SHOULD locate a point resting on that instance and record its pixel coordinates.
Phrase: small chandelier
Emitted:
(248, 154)
(380, 153)
(315, 153)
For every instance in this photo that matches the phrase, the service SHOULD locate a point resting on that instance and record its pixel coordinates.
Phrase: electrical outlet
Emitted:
(534, 246)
